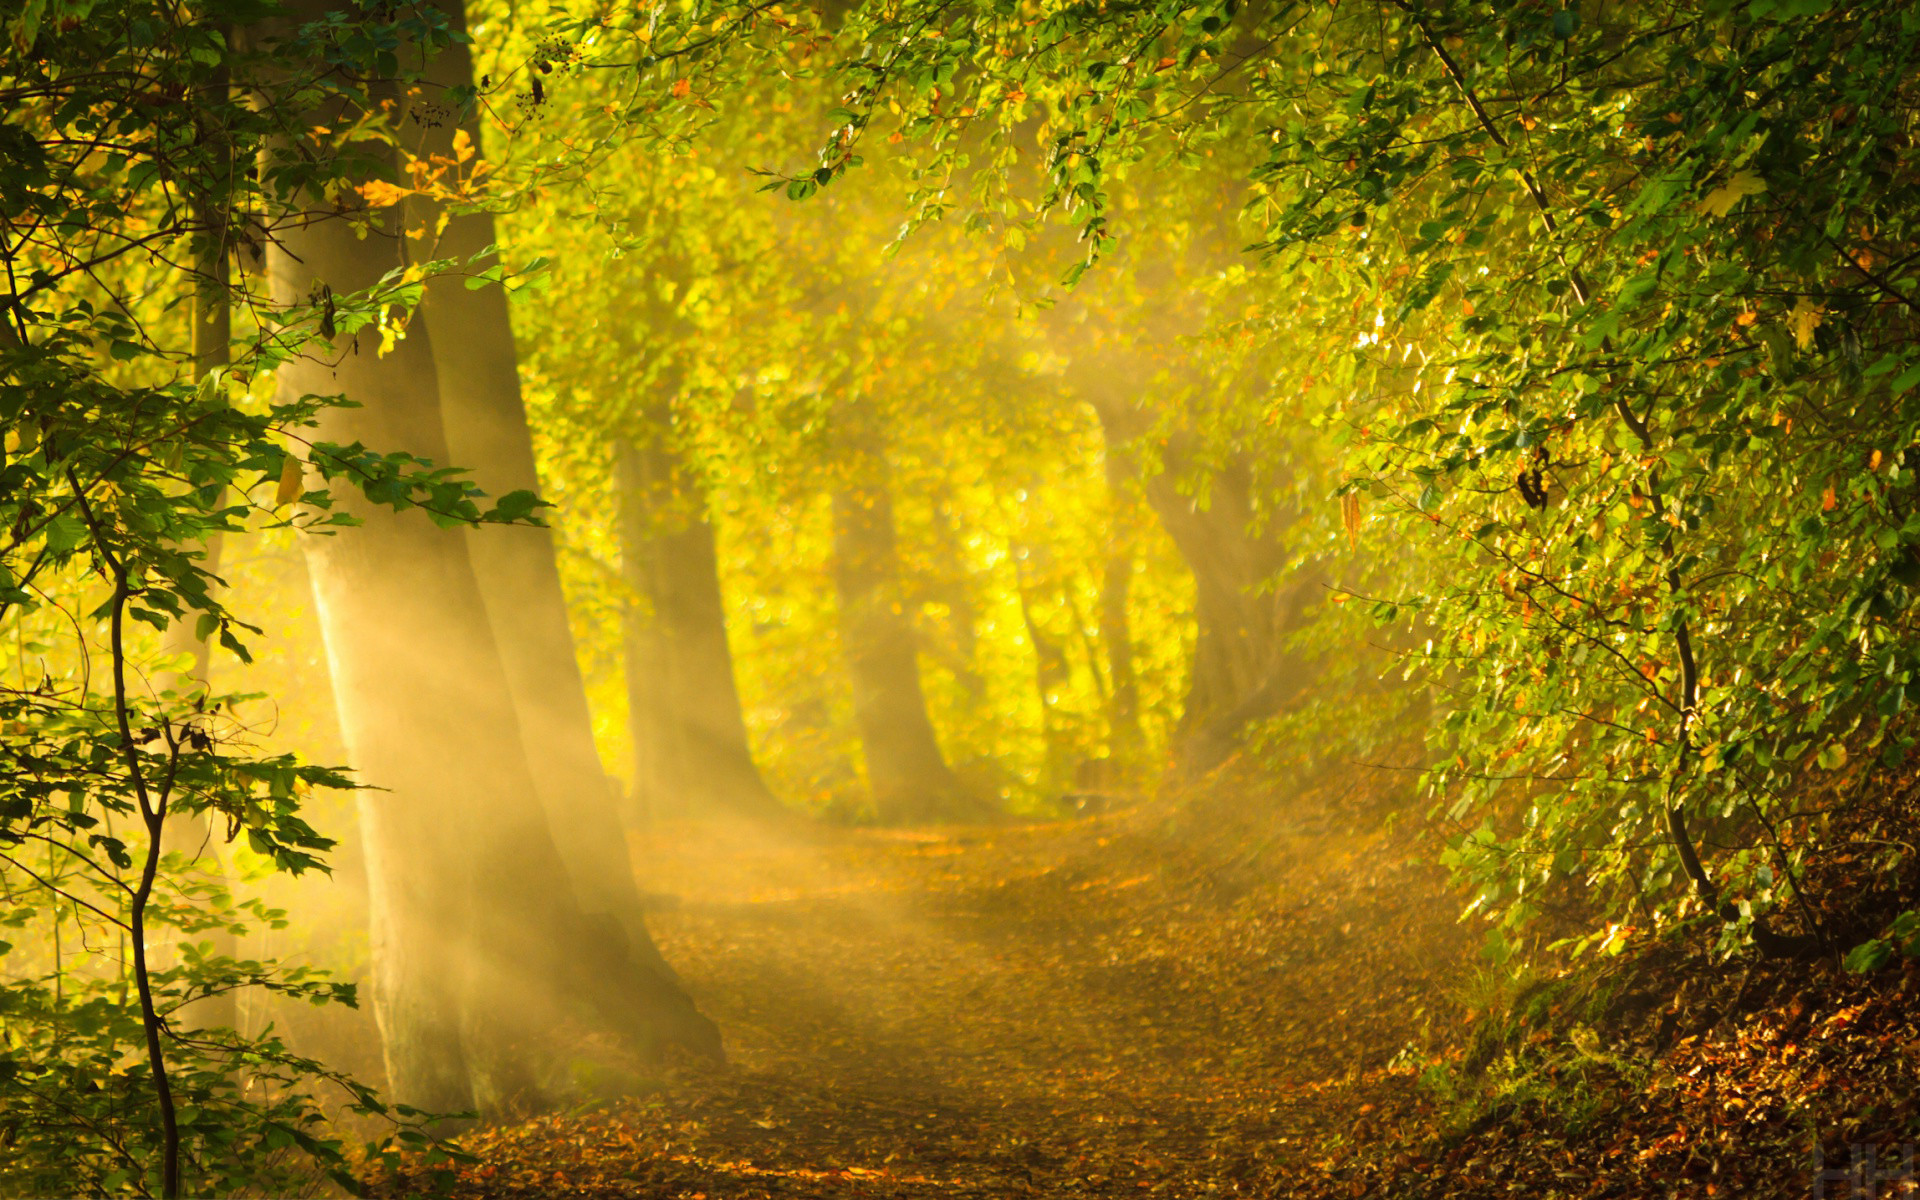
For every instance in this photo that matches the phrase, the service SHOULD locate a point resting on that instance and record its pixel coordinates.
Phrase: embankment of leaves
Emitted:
(1674, 1069)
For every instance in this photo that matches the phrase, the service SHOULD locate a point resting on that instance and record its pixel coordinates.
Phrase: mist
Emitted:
(766, 601)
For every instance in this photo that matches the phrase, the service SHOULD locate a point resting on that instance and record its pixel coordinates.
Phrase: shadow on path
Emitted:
(1165, 1002)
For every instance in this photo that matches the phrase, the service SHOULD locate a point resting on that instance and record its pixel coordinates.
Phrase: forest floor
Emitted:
(1242, 991)
(1172, 999)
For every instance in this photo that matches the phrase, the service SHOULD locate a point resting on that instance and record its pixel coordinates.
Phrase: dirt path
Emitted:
(1126, 1005)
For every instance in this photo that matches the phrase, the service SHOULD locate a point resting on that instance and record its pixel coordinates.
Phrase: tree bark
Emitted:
(691, 751)
(518, 574)
(951, 587)
(907, 773)
(1116, 626)
(612, 955)
(425, 716)
(647, 658)
(1051, 670)
(212, 336)
(1246, 601)
(478, 940)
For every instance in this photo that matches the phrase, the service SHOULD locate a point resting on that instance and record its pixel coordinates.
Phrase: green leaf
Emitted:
(515, 506)
(1869, 956)
(1906, 929)
(65, 532)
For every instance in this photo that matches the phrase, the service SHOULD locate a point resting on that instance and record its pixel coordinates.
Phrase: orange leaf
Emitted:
(1827, 501)
(681, 87)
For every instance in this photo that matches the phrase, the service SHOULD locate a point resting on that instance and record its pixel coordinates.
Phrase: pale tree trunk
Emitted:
(908, 775)
(518, 573)
(646, 657)
(691, 752)
(425, 717)
(212, 333)
(478, 941)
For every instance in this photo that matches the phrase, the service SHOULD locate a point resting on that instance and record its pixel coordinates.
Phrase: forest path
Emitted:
(1167, 1002)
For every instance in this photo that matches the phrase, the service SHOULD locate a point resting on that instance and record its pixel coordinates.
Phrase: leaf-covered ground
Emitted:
(1139, 1003)
(1234, 995)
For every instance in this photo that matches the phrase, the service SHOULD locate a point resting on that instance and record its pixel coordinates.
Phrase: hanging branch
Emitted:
(1703, 884)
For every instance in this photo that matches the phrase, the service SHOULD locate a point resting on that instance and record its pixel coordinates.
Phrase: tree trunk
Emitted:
(519, 577)
(425, 716)
(909, 777)
(1246, 601)
(1116, 627)
(1051, 670)
(212, 337)
(951, 587)
(212, 319)
(478, 941)
(647, 657)
(691, 751)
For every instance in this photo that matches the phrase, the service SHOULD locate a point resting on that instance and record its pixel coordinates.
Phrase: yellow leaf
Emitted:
(1804, 319)
(290, 479)
(381, 194)
(462, 145)
(1720, 201)
(1873, 464)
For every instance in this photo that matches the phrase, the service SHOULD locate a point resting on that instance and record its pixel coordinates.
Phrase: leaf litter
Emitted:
(1230, 993)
